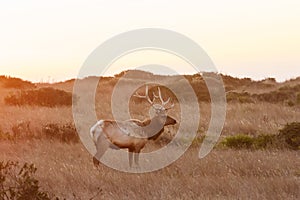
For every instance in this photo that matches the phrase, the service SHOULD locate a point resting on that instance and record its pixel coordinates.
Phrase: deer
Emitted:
(132, 134)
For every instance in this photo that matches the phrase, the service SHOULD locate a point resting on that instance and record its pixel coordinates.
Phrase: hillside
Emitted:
(242, 90)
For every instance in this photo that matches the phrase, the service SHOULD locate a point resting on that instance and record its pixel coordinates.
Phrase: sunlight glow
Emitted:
(50, 40)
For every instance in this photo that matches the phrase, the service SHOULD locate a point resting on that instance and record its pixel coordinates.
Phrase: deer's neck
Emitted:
(153, 127)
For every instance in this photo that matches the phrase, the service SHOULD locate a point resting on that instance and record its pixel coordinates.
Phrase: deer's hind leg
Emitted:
(101, 146)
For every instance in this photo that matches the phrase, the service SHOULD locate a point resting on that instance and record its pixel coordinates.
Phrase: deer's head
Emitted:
(160, 109)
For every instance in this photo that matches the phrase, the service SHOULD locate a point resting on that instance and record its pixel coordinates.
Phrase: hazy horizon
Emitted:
(51, 80)
(51, 40)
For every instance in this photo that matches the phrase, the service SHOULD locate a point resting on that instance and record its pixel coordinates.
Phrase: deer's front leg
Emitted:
(136, 159)
(130, 157)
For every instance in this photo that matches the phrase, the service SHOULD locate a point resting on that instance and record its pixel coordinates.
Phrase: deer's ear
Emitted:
(145, 123)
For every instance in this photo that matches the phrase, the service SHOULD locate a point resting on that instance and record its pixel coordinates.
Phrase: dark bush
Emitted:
(5, 135)
(19, 130)
(290, 103)
(48, 97)
(291, 135)
(19, 183)
(22, 130)
(298, 99)
(64, 133)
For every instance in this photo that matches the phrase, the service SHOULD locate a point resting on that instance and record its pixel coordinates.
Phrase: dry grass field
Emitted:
(67, 171)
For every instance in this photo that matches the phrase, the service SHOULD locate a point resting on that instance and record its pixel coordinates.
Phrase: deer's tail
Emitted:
(96, 131)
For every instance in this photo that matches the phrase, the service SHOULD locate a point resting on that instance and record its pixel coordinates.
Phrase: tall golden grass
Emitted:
(67, 170)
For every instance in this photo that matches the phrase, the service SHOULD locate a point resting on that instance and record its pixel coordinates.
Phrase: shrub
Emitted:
(65, 133)
(290, 103)
(244, 97)
(19, 183)
(273, 96)
(290, 134)
(298, 99)
(198, 140)
(5, 135)
(288, 137)
(265, 141)
(48, 97)
(238, 141)
(283, 94)
(22, 130)
(248, 142)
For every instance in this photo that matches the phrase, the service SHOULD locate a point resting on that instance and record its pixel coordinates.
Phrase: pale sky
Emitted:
(50, 40)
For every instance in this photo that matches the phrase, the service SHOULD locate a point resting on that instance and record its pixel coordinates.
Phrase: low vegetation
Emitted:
(37, 127)
(285, 94)
(48, 97)
(4, 135)
(288, 137)
(65, 133)
(236, 97)
(289, 95)
(291, 135)
(19, 182)
(67, 171)
(16, 83)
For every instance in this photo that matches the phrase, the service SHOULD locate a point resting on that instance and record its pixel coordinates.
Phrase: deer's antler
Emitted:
(163, 103)
(159, 96)
(146, 96)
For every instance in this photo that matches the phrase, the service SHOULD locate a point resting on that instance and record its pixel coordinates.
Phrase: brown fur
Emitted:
(114, 137)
